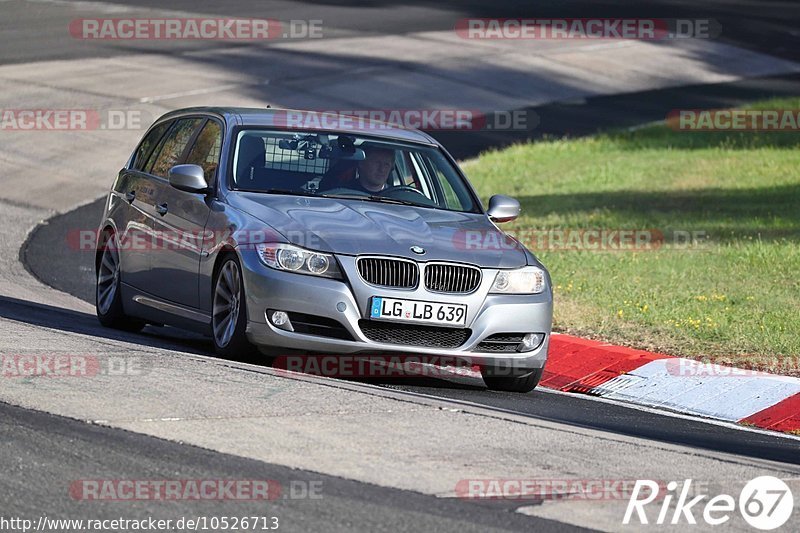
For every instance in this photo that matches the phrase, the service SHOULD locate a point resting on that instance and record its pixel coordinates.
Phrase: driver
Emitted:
(373, 171)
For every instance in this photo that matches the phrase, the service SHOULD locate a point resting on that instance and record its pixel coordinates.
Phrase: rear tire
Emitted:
(108, 295)
(512, 383)
(229, 312)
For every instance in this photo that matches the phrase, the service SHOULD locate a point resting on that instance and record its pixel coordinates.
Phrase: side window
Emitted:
(205, 151)
(450, 197)
(443, 186)
(174, 145)
(148, 143)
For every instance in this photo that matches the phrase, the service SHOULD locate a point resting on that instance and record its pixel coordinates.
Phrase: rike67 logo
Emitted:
(765, 503)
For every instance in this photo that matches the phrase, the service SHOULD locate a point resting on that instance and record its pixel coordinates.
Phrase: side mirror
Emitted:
(502, 208)
(189, 178)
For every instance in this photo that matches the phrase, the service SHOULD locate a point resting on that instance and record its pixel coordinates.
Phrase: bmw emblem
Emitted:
(418, 250)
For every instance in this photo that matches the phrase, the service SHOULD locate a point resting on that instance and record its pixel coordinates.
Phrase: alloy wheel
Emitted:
(108, 277)
(226, 303)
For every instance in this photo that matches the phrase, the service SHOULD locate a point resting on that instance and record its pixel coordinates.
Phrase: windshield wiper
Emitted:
(386, 200)
(374, 198)
(287, 191)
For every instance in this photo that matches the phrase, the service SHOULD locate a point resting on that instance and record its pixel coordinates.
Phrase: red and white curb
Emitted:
(730, 394)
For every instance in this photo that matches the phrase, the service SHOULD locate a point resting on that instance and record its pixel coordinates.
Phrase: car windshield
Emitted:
(348, 166)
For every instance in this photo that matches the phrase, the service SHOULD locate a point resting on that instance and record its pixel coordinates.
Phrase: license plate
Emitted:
(418, 311)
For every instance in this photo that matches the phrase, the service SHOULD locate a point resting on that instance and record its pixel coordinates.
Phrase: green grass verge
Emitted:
(734, 297)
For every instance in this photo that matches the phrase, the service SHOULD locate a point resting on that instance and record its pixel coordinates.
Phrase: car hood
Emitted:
(354, 227)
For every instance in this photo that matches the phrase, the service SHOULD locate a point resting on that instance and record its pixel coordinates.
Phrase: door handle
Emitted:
(130, 196)
(162, 209)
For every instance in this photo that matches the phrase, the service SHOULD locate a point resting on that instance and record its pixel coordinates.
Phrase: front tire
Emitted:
(229, 312)
(519, 381)
(108, 295)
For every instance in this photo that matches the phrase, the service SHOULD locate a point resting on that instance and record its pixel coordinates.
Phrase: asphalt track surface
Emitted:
(767, 27)
(50, 448)
(42, 450)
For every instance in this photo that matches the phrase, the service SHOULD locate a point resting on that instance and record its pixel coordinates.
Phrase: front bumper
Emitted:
(347, 302)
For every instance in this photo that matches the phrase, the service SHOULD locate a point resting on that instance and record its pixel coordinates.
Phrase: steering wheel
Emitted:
(401, 188)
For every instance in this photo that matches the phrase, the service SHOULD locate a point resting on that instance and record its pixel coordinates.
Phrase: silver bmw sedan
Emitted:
(329, 235)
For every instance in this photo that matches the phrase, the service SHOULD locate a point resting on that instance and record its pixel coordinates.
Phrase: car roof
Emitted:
(275, 117)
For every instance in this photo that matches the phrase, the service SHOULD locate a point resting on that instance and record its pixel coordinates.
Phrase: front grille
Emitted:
(413, 335)
(500, 342)
(320, 326)
(442, 277)
(386, 272)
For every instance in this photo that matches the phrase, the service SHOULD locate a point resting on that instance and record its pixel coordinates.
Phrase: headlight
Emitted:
(526, 280)
(295, 259)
